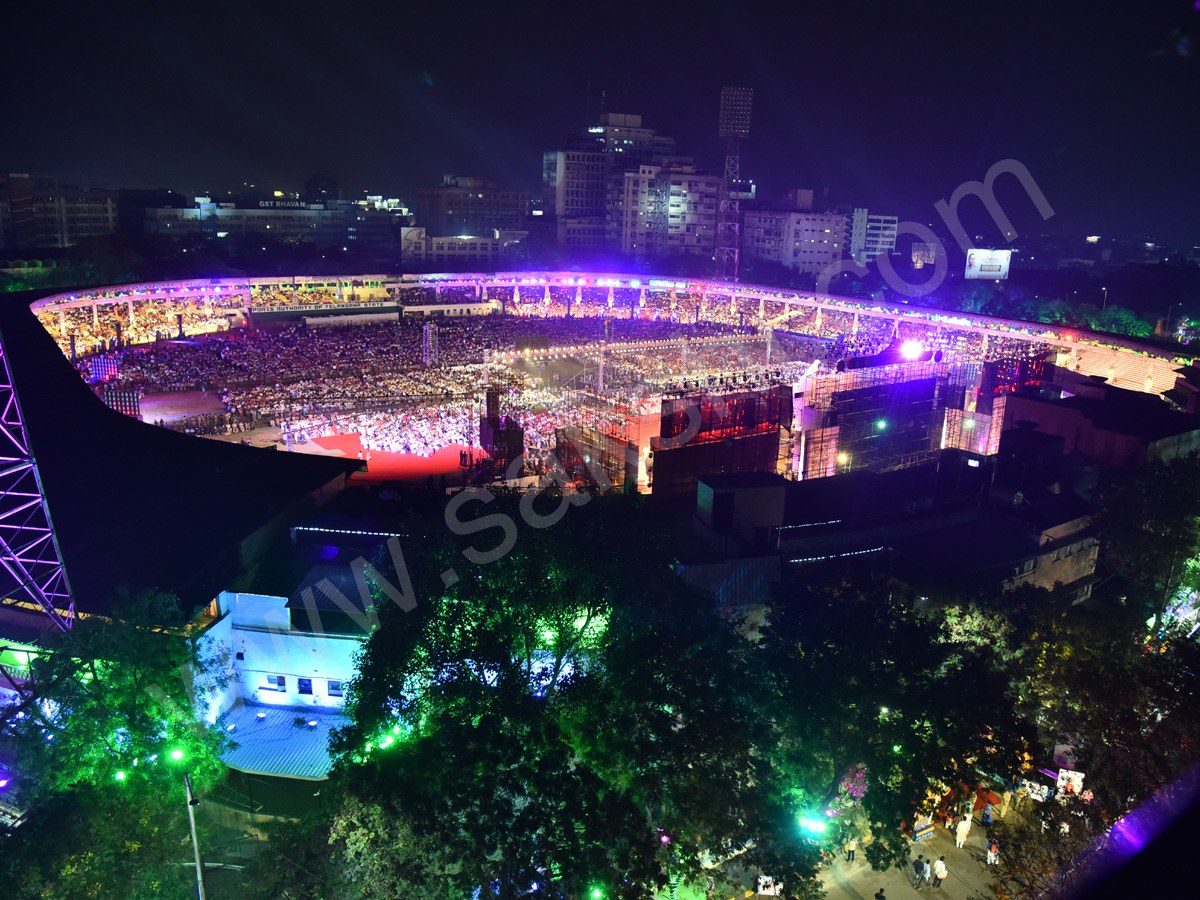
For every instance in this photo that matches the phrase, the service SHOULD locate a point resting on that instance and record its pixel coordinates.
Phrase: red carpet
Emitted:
(398, 466)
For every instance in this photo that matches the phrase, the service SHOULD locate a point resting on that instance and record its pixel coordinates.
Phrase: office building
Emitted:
(663, 211)
(577, 180)
(470, 206)
(871, 235)
(457, 252)
(40, 214)
(280, 219)
(804, 241)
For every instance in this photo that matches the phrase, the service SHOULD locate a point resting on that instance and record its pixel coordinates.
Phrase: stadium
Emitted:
(638, 382)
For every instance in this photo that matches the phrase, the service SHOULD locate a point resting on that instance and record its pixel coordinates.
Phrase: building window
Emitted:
(335, 689)
(273, 683)
(304, 685)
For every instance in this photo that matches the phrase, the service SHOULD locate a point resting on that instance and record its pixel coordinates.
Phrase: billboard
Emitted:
(988, 263)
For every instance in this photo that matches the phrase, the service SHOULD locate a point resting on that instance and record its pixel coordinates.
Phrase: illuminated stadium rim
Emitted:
(198, 288)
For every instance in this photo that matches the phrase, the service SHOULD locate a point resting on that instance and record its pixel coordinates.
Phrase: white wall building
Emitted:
(871, 235)
(284, 684)
(291, 221)
(482, 251)
(663, 211)
(801, 240)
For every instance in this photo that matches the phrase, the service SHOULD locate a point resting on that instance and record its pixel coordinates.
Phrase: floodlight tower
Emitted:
(31, 568)
(734, 124)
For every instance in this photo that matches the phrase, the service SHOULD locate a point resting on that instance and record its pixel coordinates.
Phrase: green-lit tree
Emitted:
(102, 740)
(110, 703)
(569, 716)
(874, 696)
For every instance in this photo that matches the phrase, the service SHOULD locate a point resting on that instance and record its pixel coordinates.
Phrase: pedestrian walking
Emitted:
(993, 852)
(987, 815)
(928, 875)
(961, 832)
(1022, 797)
(1006, 800)
(918, 870)
(851, 846)
(940, 872)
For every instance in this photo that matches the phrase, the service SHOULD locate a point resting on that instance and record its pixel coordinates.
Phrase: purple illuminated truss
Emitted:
(31, 570)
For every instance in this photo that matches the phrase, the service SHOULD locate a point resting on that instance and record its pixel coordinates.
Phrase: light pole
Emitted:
(1105, 306)
(192, 803)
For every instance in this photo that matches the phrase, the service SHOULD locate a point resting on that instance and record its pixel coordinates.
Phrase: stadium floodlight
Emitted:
(736, 106)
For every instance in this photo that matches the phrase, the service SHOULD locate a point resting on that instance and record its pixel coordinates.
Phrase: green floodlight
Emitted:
(881, 424)
(895, 748)
(597, 893)
(177, 755)
(121, 775)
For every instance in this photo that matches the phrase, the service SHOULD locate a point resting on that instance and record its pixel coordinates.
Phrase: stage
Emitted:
(383, 466)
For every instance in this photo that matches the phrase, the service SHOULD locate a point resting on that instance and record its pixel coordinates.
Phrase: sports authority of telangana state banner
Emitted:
(991, 264)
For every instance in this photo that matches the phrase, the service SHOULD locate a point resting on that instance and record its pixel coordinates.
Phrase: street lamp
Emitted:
(1105, 306)
(192, 803)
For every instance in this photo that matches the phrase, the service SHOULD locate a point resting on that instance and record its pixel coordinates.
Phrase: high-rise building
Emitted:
(574, 186)
(622, 135)
(802, 240)
(871, 235)
(38, 213)
(663, 211)
(577, 180)
(470, 206)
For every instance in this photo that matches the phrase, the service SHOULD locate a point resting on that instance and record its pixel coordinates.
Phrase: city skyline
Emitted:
(893, 111)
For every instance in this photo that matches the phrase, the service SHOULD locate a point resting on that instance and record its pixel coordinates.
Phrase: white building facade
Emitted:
(871, 235)
(663, 211)
(800, 240)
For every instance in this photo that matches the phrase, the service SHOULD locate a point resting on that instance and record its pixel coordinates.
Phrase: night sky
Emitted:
(888, 106)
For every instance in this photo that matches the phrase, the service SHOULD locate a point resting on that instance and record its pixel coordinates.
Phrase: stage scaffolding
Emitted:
(735, 431)
(598, 458)
(975, 432)
(879, 418)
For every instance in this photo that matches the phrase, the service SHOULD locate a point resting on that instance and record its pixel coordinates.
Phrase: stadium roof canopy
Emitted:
(137, 506)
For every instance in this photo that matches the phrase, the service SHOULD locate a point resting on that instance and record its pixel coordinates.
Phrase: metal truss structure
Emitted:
(32, 575)
(734, 124)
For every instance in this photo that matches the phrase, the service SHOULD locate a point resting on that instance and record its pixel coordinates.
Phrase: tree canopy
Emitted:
(103, 738)
(570, 716)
